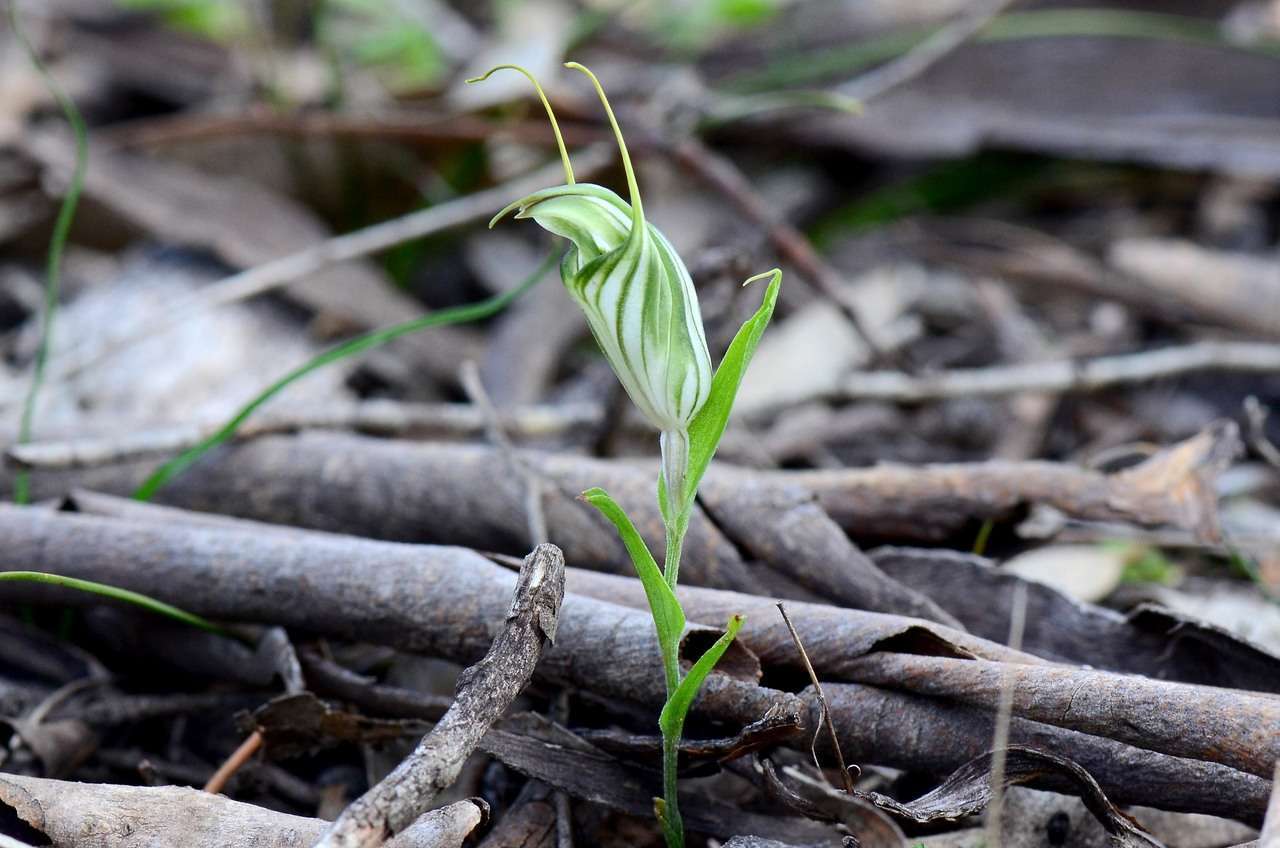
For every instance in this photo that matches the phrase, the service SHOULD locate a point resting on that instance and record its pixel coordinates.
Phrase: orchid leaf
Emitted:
(671, 721)
(707, 427)
(668, 618)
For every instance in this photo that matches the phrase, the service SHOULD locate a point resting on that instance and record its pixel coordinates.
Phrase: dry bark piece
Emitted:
(328, 678)
(530, 823)
(937, 735)
(777, 726)
(872, 828)
(292, 725)
(1148, 640)
(484, 692)
(1235, 728)
(90, 815)
(786, 528)
(549, 753)
(968, 791)
(1245, 294)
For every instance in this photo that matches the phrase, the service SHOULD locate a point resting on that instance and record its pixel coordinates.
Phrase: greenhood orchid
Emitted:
(642, 308)
(635, 291)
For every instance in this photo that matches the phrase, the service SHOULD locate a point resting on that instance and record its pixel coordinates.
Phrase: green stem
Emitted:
(372, 339)
(672, 824)
(116, 593)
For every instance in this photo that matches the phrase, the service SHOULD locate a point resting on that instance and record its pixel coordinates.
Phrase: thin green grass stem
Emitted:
(57, 243)
(118, 594)
(375, 338)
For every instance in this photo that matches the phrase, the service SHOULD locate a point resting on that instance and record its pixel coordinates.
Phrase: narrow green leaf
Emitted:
(708, 425)
(671, 721)
(116, 593)
(57, 243)
(372, 339)
(668, 618)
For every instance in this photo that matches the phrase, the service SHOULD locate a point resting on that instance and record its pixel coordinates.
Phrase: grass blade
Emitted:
(118, 594)
(57, 243)
(372, 339)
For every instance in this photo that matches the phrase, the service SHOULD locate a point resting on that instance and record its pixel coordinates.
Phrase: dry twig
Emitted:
(92, 815)
(295, 266)
(724, 176)
(1065, 375)
(238, 758)
(380, 416)
(534, 514)
(825, 718)
(925, 55)
(485, 690)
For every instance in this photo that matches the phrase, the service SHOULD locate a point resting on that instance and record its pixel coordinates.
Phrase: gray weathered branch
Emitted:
(91, 815)
(485, 690)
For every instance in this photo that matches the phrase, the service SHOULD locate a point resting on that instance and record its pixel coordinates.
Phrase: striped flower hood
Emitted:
(637, 296)
(632, 285)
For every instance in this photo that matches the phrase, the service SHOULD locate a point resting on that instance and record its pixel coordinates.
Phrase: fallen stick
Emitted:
(445, 602)
(485, 690)
(1238, 729)
(1064, 375)
(461, 494)
(308, 261)
(937, 736)
(379, 417)
(1149, 640)
(1245, 293)
(94, 815)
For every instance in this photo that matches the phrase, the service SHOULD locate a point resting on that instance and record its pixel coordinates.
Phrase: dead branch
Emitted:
(1148, 640)
(445, 601)
(462, 495)
(1173, 487)
(485, 690)
(1245, 293)
(412, 127)
(1065, 375)
(88, 815)
(724, 176)
(784, 527)
(937, 735)
(378, 417)
(1197, 722)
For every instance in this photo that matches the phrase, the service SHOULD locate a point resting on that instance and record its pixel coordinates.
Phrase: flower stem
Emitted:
(672, 824)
